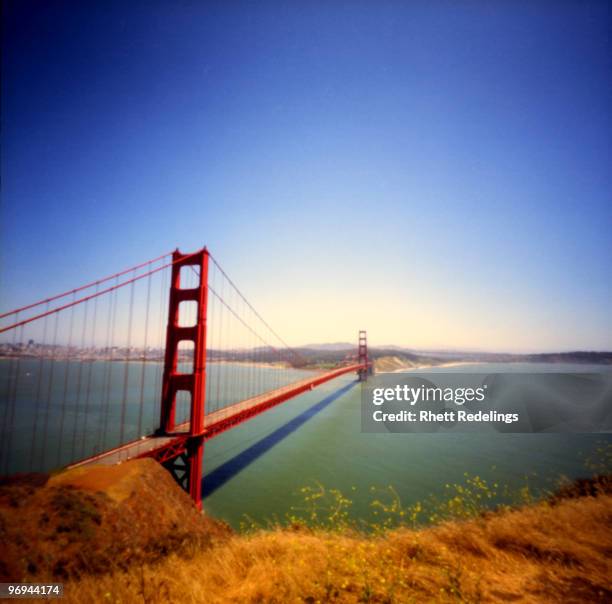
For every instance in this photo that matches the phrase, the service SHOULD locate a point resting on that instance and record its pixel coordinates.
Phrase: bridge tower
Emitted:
(185, 464)
(364, 371)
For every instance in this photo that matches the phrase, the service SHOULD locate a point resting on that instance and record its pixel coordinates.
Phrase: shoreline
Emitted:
(417, 368)
(430, 366)
(271, 365)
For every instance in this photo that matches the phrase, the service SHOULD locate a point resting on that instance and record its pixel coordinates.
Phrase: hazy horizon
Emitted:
(450, 349)
(338, 346)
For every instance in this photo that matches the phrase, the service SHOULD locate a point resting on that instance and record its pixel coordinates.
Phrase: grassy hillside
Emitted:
(399, 362)
(128, 534)
(542, 553)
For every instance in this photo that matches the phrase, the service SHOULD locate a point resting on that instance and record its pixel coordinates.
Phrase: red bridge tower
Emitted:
(363, 357)
(186, 465)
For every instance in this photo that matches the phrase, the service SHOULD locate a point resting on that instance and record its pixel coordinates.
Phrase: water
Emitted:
(258, 468)
(56, 412)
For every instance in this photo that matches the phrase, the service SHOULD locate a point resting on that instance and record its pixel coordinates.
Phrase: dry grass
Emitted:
(129, 534)
(548, 552)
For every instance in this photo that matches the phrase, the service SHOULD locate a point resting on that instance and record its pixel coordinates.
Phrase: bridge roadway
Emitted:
(167, 446)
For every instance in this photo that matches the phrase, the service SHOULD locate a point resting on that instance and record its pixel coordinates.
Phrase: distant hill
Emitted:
(571, 357)
(578, 356)
(394, 358)
(332, 346)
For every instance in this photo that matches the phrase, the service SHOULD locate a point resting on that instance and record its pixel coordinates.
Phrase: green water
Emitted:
(329, 447)
(56, 412)
(258, 468)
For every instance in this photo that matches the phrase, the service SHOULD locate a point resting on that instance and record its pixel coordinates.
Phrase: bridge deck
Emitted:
(168, 446)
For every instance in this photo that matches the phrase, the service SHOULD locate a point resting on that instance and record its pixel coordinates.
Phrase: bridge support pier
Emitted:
(179, 468)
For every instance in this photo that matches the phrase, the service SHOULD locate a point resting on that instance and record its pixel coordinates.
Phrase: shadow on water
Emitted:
(219, 476)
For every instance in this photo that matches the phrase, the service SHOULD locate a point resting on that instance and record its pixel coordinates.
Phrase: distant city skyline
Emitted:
(435, 173)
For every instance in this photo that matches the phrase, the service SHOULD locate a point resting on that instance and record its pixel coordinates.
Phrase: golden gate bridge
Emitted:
(151, 361)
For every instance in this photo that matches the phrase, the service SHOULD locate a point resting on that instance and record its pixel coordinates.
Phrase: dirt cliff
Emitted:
(84, 520)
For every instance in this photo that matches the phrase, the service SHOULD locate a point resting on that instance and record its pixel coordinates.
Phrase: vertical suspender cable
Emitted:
(12, 405)
(7, 398)
(126, 372)
(68, 362)
(49, 394)
(220, 346)
(163, 297)
(144, 359)
(112, 308)
(41, 366)
(89, 376)
(79, 382)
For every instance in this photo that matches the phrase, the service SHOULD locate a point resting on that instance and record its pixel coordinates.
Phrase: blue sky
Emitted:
(438, 173)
